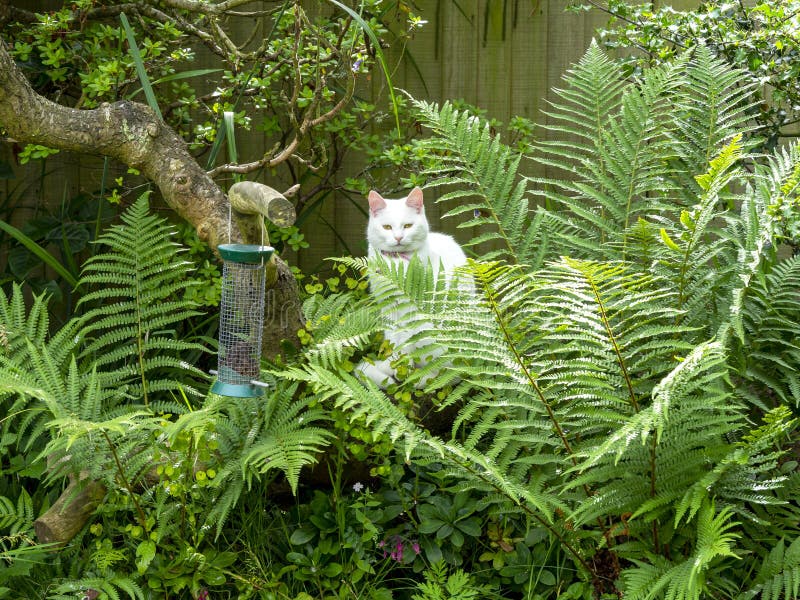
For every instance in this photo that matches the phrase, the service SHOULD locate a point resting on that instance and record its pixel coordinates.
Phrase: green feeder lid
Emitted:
(245, 253)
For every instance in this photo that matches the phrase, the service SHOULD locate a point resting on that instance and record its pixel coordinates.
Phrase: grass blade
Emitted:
(229, 128)
(140, 69)
(379, 55)
(42, 254)
(175, 77)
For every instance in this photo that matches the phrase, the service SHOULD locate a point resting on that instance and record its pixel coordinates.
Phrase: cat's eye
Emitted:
(408, 225)
(387, 227)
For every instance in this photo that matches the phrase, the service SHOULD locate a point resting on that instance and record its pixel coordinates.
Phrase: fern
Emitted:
(484, 172)
(751, 460)
(770, 314)
(16, 517)
(18, 552)
(779, 574)
(439, 585)
(112, 586)
(693, 240)
(634, 157)
(688, 579)
(257, 439)
(341, 324)
(603, 199)
(136, 306)
(716, 106)
(26, 332)
(600, 364)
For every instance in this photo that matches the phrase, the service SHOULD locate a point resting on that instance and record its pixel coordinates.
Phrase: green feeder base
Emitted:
(237, 390)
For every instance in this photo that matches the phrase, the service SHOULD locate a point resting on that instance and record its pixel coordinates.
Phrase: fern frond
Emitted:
(17, 517)
(717, 103)
(111, 585)
(778, 577)
(770, 314)
(257, 437)
(689, 414)
(483, 172)
(340, 327)
(22, 324)
(746, 473)
(593, 91)
(688, 579)
(635, 162)
(765, 308)
(604, 198)
(136, 304)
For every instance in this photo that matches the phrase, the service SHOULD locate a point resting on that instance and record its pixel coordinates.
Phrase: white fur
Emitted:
(398, 230)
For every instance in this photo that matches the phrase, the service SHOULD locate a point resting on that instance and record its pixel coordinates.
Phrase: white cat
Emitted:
(398, 230)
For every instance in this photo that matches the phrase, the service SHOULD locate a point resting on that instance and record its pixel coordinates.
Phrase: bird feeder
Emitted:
(241, 320)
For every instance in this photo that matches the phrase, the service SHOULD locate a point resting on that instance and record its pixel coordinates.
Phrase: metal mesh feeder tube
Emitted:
(241, 320)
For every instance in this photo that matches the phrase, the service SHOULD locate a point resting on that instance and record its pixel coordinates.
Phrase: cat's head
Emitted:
(397, 225)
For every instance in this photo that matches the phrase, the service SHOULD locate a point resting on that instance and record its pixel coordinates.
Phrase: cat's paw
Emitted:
(380, 372)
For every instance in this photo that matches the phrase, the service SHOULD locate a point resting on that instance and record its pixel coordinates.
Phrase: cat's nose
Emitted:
(399, 238)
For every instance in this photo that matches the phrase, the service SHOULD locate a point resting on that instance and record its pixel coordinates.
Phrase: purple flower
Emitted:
(394, 549)
(397, 553)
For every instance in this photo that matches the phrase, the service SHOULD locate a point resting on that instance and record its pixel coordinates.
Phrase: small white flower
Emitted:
(358, 486)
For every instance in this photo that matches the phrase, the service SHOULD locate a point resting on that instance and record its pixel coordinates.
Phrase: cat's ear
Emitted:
(414, 199)
(376, 202)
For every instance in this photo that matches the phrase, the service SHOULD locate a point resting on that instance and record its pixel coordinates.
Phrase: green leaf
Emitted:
(668, 240)
(472, 526)
(43, 255)
(141, 70)
(547, 578)
(430, 525)
(145, 553)
(302, 536)
(73, 236)
(21, 262)
(214, 578)
(432, 551)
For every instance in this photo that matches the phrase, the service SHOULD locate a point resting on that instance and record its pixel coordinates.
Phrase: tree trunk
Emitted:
(134, 135)
(69, 513)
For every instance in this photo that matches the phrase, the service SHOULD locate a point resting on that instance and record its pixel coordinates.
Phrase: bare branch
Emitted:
(271, 159)
(127, 131)
(209, 8)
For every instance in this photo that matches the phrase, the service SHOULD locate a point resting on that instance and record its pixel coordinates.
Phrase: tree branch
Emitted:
(271, 160)
(127, 131)
(134, 135)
